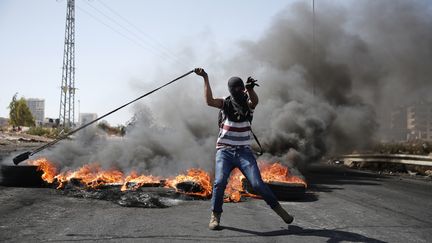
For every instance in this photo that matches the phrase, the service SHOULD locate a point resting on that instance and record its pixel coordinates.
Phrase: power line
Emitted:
(120, 33)
(124, 28)
(157, 50)
(162, 46)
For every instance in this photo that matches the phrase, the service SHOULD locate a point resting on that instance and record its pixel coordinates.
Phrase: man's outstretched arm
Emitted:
(214, 102)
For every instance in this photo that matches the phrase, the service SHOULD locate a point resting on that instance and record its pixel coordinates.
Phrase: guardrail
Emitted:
(408, 159)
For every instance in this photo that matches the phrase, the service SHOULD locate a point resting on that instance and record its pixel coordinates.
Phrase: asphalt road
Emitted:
(345, 206)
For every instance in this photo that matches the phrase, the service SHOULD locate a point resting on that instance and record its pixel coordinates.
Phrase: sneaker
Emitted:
(214, 221)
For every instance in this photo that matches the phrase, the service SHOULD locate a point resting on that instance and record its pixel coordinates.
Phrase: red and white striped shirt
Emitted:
(234, 134)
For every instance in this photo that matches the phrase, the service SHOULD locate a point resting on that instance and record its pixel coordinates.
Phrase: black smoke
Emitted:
(316, 97)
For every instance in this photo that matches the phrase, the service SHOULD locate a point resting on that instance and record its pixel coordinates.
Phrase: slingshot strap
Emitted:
(259, 144)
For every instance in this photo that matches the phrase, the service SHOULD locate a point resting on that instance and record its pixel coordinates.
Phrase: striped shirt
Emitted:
(234, 134)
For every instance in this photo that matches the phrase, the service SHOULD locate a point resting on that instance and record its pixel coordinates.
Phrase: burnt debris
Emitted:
(143, 197)
(282, 190)
(21, 176)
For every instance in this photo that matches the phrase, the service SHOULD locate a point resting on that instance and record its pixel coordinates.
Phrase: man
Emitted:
(233, 144)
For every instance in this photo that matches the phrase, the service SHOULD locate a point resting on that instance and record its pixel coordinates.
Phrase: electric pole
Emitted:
(67, 95)
(314, 68)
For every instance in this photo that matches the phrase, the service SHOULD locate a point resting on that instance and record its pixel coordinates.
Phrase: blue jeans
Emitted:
(241, 157)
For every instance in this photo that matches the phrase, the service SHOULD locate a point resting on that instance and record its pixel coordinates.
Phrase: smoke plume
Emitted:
(316, 97)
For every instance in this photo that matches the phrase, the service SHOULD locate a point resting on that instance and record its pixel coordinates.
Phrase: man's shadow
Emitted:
(332, 235)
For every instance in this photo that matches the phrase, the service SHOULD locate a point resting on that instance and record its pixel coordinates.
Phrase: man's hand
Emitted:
(218, 103)
(200, 72)
(251, 83)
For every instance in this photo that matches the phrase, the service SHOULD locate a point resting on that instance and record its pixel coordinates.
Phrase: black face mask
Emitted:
(238, 96)
(236, 88)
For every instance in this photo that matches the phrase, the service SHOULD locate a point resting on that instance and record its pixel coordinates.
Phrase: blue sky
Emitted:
(32, 35)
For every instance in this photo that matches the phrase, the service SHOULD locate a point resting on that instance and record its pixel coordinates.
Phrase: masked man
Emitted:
(234, 144)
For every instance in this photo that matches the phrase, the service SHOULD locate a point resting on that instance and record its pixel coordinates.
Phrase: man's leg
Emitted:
(223, 169)
(249, 168)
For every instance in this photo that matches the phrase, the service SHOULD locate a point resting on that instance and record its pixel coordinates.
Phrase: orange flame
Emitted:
(48, 168)
(278, 172)
(198, 176)
(234, 188)
(139, 180)
(93, 176)
(270, 172)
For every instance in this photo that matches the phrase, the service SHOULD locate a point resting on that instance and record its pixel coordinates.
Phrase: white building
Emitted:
(86, 118)
(419, 121)
(37, 108)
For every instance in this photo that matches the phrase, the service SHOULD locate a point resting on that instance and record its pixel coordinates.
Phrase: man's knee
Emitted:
(220, 183)
(257, 185)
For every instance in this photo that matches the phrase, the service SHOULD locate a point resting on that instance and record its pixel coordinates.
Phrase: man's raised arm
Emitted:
(253, 97)
(214, 102)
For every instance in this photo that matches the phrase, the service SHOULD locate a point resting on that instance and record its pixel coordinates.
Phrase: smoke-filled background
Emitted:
(317, 97)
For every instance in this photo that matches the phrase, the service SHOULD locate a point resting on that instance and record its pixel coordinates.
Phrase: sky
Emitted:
(119, 43)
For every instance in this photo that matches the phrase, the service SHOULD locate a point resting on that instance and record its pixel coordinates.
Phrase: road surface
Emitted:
(344, 206)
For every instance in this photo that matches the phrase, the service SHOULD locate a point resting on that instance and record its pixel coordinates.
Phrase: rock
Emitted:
(412, 173)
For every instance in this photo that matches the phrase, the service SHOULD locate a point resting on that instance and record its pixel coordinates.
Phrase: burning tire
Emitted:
(21, 176)
(283, 191)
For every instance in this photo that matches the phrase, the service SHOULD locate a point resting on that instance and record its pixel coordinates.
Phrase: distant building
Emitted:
(51, 122)
(419, 121)
(37, 108)
(398, 124)
(411, 122)
(3, 121)
(86, 118)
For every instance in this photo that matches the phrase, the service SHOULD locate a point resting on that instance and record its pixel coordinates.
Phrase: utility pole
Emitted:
(314, 74)
(67, 95)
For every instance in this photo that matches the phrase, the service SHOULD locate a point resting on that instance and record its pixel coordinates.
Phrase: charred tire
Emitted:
(21, 176)
(283, 191)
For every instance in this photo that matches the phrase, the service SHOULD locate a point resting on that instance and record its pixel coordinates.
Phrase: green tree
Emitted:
(19, 114)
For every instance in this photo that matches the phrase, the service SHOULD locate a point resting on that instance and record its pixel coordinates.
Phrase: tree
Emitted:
(19, 114)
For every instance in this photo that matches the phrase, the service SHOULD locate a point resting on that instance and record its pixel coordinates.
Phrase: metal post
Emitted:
(313, 48)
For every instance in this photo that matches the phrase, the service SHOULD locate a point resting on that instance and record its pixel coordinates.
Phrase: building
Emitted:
(419, 121)
(398, 124)
(51, 122)
(37, 108)
(4, 121)
(411, 122)
(86, 118)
